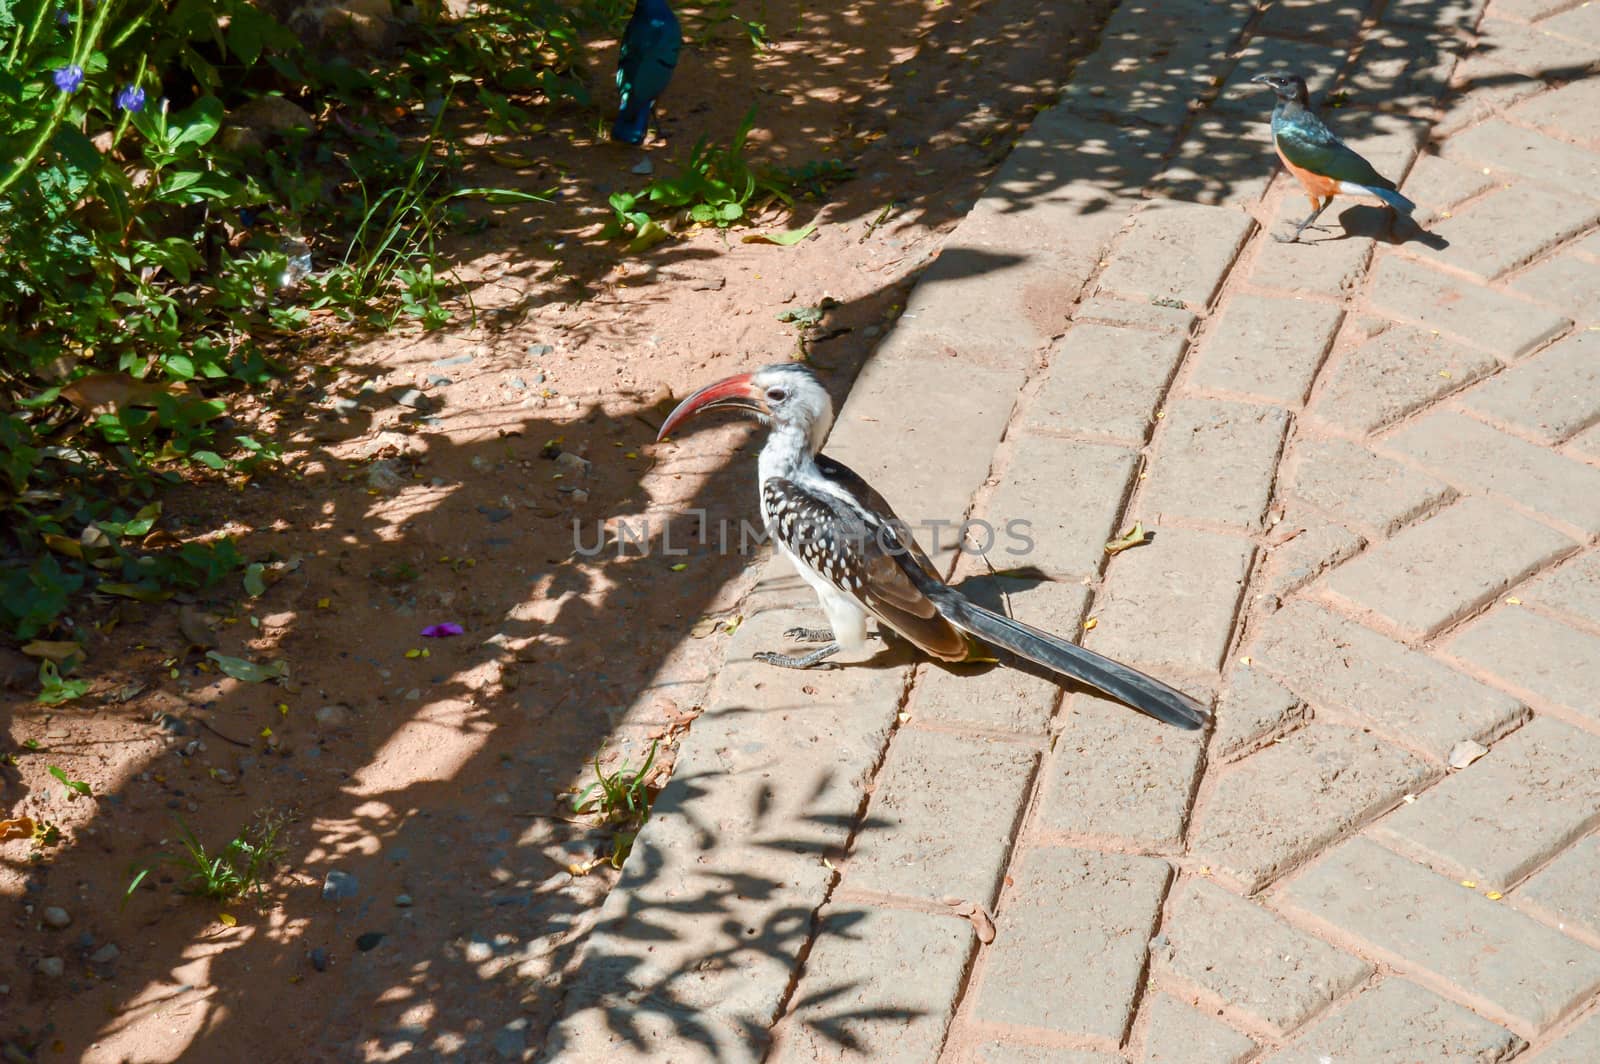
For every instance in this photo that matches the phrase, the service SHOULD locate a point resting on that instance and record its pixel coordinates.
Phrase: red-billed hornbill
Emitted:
(861, 559)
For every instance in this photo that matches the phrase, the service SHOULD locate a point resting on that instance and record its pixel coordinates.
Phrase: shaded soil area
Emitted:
(459, 477)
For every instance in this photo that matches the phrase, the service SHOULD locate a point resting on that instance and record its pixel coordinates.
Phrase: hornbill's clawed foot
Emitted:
(809, 635)
(798, 661)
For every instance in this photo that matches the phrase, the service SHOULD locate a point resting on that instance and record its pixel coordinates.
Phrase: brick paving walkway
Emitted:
(1374, 472)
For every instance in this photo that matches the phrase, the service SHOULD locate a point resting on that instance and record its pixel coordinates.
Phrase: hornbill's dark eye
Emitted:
(776, 395)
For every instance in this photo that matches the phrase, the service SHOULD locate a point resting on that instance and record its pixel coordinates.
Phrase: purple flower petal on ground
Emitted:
(131, 99)
(439, 631)
(68, 79)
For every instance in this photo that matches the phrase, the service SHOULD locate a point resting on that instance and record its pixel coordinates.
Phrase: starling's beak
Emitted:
(736, 392)
(1263, 79)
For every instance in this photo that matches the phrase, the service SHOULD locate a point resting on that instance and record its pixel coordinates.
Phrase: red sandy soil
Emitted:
(441, 782)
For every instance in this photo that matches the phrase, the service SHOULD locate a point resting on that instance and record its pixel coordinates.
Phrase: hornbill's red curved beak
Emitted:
(737, 392)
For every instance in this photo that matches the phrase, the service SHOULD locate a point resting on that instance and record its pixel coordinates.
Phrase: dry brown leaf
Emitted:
(103, 393)
(20, 828)
(52, 650)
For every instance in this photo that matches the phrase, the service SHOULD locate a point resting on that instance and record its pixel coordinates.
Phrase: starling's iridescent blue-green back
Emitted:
(650, 47)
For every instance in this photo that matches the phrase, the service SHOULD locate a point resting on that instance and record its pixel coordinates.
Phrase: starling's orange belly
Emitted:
(1317, 186)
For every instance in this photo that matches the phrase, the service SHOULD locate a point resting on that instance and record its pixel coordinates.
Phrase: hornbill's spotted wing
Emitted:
(858, 545)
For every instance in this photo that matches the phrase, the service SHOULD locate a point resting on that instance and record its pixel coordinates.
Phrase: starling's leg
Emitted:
(809, 635)
(1303, 226)
(799, 661)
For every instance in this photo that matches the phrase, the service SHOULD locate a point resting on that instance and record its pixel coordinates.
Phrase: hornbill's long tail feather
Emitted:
(1134, 688)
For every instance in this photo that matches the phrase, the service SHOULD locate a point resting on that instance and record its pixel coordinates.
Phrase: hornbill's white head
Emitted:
(788, 396)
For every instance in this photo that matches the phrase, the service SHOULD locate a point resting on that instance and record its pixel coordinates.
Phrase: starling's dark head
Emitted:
(1287, 87)
(787, 394)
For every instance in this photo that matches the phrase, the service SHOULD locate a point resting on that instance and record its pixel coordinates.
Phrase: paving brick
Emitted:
(1440, 184)
(922, 468)
(1508, 228)
(1551, 395)
(1393, 373)
(1098, 908)
(1586, 445)
(1314, 546)
(1251, 707)
(1108, 310)
(1508, 327)
(1154, 60)
(1568, 888)
(993, 696)
(1317, 263)
(1118, 773)
(1403, 68)
(1267, 348)
(1214, 461)
(1280, 806)
(1176, 252)
(1173, 601)
(1317, 63)
(1226, 160)
(1435, 14)
(1069, 494)
(1313, 18)
(879, 983)
(620, 1033)
(1526, 971)
(1012, 1053)
(1533, 793)
(1447, 566)
(1178, 1034)
(1503, 146)
(1568, 281)
(1330, 661)
(1358, 487)
(941, 816)
(1251, 959)
(1487, 88)
(1471, 453)
(1106, 381)
(1554, 662)
(1581, 23)
(1573, 588)
(1581, 1045)
(1398, 1022)
(1527, 10)
(1532, 50)
(1572, 111)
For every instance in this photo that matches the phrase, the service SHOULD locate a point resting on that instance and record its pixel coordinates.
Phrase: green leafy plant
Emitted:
(75, 786)
(54, 689)
(717, 187)
(243, 864)
(621, 796)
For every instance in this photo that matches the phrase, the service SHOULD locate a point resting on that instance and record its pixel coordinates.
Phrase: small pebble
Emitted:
(403, 900)
(51, 967)
(335, 715)
(56, 916)
(539, 350)
(319, 959)
(339, 885)
(479, 951)
(644, 166)
(454, 360)
(369, 940)
(105, 954)
(435, 380)
(414, 399)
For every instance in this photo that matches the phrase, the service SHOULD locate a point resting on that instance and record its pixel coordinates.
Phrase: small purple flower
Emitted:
(440, 631)
(69, 79)
(131, 99)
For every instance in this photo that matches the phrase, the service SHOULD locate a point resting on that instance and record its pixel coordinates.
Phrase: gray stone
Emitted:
(57, 917)
(1333, 662)
(1398, 1022)
(1252, 959)
(942, 814)
(1535, 792)
(339, 885)
(1469, 452)
(1279, 806)
(1215, 461)
(879, 983)
(1568, 888)
(1266, 348)
(1447, 566)
(50, 967)
(1525, 970)
(1178, 1034)
(1099, 908)
(1117, 773)
(1360, 488)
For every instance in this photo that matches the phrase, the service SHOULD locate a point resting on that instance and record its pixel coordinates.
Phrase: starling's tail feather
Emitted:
(1144, 693)
(1391, 197)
